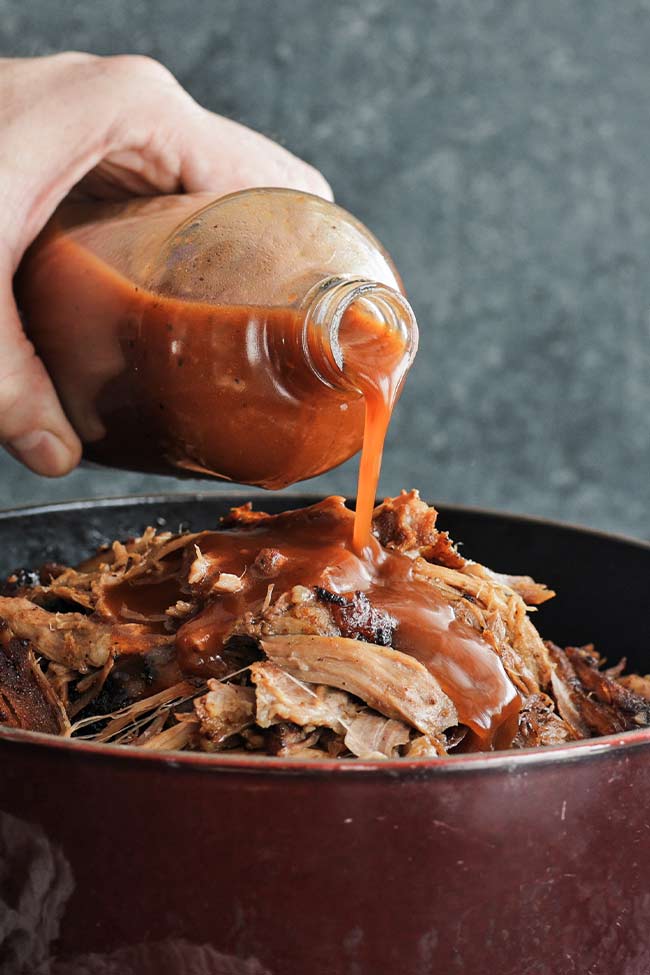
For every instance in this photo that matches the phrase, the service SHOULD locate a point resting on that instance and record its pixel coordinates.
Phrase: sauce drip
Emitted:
(376, 362)
(311, 548)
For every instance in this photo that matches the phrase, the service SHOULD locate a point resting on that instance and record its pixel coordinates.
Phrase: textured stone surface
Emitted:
(501, 150)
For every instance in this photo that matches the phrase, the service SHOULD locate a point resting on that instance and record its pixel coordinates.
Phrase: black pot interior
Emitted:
(601, 581)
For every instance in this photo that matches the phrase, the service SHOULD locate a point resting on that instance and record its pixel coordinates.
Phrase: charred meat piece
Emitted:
(443, 552)
(569, 694)
(131, 678)
(588, 700)
(19, 582)
(633, 709)
(288, 740)
(539, 724)
(27, 699)
(356, 617)
(408, 524)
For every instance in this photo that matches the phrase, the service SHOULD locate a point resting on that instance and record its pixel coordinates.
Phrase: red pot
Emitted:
(114, 861)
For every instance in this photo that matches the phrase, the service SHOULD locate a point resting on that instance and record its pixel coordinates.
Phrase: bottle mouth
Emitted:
(325, 342)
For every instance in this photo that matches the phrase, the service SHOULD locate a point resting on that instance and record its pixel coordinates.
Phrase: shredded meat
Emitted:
(223, 712)
(372, 736)
(533, 593)
(408, 524)
(72, 639)
(637, 684)
(540, 725)
(500, 614)
(279, 697)
(309, 664)
(287, 740)
(297, 611)
(392, 683)
(590, 702)
(425, 747)
(631, 708)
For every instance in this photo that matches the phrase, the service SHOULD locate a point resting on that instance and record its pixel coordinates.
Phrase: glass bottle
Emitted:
(221, 337)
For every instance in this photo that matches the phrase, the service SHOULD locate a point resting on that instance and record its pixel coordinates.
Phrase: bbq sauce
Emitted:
(312, 548)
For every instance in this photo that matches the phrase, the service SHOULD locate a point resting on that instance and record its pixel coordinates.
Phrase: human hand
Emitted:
(108, 128)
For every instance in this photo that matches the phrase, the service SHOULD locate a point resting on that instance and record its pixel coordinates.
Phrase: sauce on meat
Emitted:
(376, 362)
(312, 548)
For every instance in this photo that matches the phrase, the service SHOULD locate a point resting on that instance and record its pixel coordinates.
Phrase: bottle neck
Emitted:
(348, 322)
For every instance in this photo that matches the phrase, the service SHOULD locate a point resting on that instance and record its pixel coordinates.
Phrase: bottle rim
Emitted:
(326, 303)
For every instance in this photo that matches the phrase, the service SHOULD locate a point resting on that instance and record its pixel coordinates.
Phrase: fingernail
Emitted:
(43, 452)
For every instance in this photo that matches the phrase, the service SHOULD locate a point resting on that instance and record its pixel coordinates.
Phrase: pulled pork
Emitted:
(270, 635)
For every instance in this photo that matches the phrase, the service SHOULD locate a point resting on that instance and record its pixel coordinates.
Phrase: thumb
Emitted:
(33, 426)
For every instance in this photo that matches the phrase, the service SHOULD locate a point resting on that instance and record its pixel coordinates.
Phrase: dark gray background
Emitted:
(501, 150)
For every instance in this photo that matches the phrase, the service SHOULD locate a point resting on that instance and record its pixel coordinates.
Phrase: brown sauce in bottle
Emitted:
(187, 386)
(171, 386)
